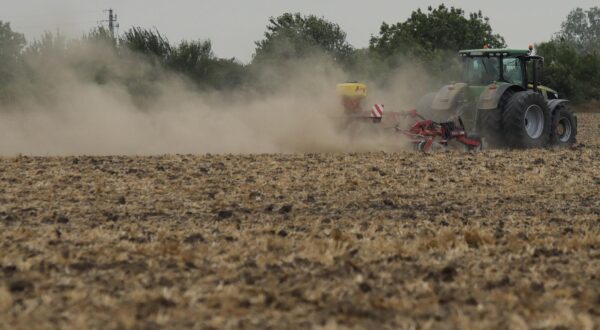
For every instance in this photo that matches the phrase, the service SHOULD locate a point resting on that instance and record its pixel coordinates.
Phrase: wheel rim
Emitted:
(534, 121)
(564, 129)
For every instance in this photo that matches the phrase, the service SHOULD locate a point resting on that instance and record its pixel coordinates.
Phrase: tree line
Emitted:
(429, 38)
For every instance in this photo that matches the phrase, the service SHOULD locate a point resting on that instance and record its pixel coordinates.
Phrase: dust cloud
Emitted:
(65, 111)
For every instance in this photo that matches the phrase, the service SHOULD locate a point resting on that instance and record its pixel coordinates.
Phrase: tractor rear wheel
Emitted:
(564, 127)
(526, 120)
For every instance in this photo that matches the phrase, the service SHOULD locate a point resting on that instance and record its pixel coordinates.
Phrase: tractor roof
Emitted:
(507, 52)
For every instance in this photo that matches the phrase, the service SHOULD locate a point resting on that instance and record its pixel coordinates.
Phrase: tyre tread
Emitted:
(512, 120)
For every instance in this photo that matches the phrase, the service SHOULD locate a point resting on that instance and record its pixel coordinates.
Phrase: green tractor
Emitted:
(502, 100)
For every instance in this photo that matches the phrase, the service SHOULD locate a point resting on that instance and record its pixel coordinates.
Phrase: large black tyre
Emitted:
(489, 122)
(527, 121)
(564, 127)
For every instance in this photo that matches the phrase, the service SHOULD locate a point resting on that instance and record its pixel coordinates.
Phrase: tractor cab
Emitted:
(483, 67)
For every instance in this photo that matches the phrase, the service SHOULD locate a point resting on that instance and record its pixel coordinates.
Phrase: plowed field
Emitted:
(497, 239)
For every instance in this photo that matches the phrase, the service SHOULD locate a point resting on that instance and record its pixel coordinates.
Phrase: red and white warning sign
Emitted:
(377, 111)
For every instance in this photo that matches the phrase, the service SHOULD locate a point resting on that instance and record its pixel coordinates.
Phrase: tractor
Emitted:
(502, 100)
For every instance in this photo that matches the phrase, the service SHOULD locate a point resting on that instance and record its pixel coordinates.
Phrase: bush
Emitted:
(574, 74)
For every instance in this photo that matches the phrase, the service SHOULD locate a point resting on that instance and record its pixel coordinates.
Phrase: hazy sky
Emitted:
(234, 25)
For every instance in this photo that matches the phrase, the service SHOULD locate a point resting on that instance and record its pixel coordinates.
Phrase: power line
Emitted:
(18, 27)
(45, 14)
(113, 24)
(17, 21)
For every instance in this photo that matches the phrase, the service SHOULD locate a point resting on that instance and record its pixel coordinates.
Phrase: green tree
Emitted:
(192, 59)
(11, 43)
(192, 56)
(292, 36)
(582, 29)
(196, 60)
(572, 57)
(227, 74)
(442, 28)
(148, 42)
(48, 44)
(574, 74)
(11, 47)
(99, 34)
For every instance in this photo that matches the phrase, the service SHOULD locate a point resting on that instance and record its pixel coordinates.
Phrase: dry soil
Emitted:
(497, 239)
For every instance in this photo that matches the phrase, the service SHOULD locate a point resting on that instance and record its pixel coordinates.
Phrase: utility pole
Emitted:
(112, 23)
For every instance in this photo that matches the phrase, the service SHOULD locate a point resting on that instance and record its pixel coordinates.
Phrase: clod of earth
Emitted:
(225, 214)
(287, 208)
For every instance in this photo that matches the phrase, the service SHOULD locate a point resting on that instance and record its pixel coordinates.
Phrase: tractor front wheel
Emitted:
(527, 121)
(564, 127)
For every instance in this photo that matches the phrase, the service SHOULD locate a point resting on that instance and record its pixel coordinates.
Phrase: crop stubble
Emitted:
(489, 240)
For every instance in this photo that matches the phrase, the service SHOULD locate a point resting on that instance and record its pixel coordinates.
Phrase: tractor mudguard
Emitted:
(444, 99)
(553, 104)
(491, 96)
(556, 103)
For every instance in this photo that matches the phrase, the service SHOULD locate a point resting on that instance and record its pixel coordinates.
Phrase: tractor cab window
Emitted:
(481, 70)
(512, 71)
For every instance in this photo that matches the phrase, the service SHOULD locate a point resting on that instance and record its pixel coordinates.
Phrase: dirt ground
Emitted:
(498, 239)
